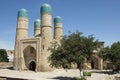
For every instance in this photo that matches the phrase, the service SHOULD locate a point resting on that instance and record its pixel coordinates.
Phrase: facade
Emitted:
(33, 53)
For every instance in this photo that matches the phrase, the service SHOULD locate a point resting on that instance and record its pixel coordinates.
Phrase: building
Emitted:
(33, 53)
(10, 54)
(96, 61)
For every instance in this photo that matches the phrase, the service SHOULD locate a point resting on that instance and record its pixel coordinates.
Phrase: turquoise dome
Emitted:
(23, 13)
(46, 8)
(58, 19)
(37, 23)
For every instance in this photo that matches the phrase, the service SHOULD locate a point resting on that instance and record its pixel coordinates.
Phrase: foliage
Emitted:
(112, 54)
(74, 48)
(87, 73)
(3, 55)
(105, 53)
(115, 54)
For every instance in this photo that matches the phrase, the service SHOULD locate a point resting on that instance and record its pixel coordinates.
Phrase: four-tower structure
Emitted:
(33, 53)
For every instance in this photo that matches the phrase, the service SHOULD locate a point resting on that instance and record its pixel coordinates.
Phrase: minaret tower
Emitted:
(37, 27)
(58, 28)
(21, 33)
(46, 35)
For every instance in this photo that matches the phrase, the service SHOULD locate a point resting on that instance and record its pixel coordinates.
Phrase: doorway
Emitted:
(32, 66)
(92, 65)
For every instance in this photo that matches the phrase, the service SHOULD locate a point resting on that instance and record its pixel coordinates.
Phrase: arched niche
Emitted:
(29, 54)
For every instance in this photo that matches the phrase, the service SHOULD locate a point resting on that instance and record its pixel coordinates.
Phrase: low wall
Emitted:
(6, 64)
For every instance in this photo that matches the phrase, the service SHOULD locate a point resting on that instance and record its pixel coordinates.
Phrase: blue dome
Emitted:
(46, 8)
(37, 23)
(23, 13)
(58, 19)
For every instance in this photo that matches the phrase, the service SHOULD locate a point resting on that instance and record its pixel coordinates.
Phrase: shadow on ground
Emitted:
(106, 72)
(4, 78)
(64, 78)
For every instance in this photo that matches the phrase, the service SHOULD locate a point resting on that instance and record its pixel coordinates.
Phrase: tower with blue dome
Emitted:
(46, 34)
(21, 33)
(37, 24)
(58, 28)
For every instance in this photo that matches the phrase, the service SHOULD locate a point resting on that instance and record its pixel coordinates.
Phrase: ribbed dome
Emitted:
(37, 23)
(46, 8)
(23, 13)
(58, 19)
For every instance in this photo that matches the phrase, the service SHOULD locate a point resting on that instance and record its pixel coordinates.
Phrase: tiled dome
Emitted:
(37, 23)
(23, 13)
(46, 8)
(58, 19)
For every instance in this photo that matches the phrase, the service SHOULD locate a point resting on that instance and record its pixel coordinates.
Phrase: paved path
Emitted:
(53, 75)
(39, 75)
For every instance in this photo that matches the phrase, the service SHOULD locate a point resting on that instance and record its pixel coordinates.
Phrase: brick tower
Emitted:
(46, 35)
(21, 33)
(58, 28)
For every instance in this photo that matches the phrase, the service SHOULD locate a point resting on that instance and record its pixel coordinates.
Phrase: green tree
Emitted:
(3, 55)
(105, 53)
(115, 55)
(112, 54)
(74, 48)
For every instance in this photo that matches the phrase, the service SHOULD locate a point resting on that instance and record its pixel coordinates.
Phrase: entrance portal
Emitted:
(32, 66)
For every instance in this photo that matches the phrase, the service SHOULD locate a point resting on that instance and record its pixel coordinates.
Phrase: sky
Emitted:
(98, 17)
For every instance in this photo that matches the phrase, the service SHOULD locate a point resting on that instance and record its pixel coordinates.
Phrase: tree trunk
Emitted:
(80, 69)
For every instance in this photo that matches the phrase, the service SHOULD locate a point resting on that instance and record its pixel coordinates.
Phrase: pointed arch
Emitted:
(29, 54)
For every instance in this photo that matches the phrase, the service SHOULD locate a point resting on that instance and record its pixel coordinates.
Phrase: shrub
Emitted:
(87, 73)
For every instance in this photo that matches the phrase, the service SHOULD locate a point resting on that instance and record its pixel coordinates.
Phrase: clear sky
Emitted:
(98, 17)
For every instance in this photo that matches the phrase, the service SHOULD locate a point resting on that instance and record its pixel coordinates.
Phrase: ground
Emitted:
(58, 74)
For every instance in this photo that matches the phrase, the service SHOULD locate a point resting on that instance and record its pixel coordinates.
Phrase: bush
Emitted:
(87, 73)
(83, 78)
(3, 55)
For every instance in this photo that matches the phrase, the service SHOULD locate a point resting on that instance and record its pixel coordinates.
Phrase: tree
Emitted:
(112, 54)
(105, 53)
(115, 54)
(74, 48)
(3, 55)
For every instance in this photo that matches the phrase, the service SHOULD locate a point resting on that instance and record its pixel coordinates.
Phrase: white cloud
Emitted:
(6, 45)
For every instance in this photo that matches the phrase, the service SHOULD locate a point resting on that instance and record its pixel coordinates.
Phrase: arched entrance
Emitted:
(32, 66)
(30, 58)
(94, 63)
